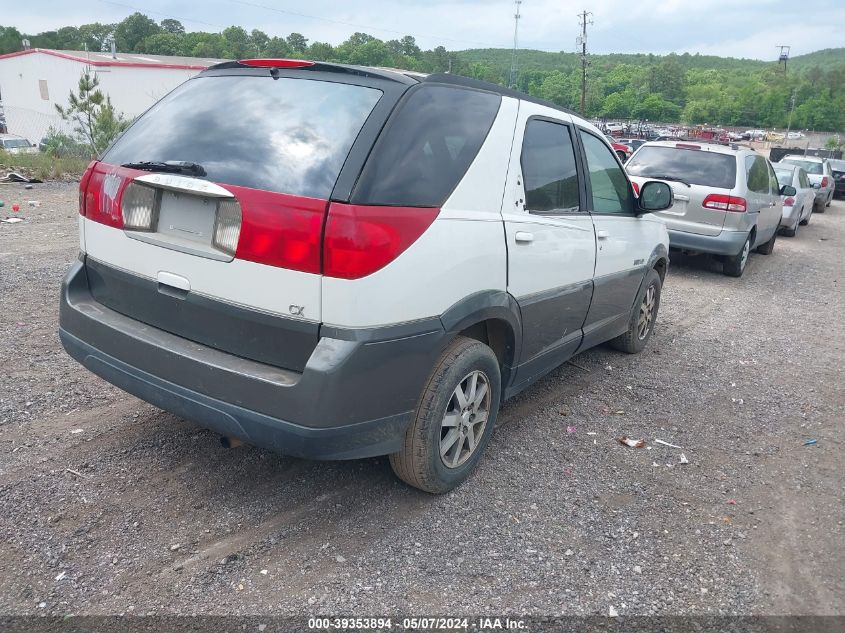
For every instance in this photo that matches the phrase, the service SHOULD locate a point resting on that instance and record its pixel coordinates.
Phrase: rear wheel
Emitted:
(791, 232)
(830, 199)
(643, 316)
(768, 247)
(734, 266)
(818, 208)
(806, 220)
(454, 419)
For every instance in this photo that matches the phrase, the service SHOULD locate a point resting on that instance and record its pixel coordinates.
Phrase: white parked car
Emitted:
(798, 200)
(17, 144)
(372, 273)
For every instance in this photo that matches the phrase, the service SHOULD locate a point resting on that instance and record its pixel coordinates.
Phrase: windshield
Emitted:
(810, 166)
(784, 176)
(837, 165)
(283, 135)
(695, 167)
(12, 143)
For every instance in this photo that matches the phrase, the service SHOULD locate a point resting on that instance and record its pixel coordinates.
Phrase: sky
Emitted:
(735, 28)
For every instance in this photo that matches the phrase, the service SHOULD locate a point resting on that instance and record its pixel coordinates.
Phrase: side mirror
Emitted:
(655, 196)
(786, 190)
(817, 185)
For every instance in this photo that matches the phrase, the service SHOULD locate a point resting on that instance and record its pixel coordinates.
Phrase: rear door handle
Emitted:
(524, 237)
(602, 235)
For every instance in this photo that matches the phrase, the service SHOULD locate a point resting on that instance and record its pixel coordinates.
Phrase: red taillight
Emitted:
(83, 186)
(104, 191)
(279, 229)
(636, 188)
(824, 182)
(788, 202)
(687, 146)
(276, 63)
(721, 202)
(360, 240)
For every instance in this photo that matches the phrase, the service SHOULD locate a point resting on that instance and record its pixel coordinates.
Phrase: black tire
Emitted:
(418, 463)
(829, 200)
(818, 208)
(634, 340)
(768, 247)
(734, 266)
(790, 232)
(806, 220)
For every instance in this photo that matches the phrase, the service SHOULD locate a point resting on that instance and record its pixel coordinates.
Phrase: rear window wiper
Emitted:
(670, 178)
(169, 166)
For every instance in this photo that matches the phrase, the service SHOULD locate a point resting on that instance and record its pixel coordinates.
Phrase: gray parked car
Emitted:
(820, 174)
(727, 201)
(798, 206)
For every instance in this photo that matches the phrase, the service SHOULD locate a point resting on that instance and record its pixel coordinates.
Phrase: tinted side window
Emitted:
(774, 187)
(427, 147)
(757, 174)
(805, 182)
(611, 191)
(285, 135)
(548, 168)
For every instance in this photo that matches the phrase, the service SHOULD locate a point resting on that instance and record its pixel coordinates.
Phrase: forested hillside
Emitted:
(689, 88)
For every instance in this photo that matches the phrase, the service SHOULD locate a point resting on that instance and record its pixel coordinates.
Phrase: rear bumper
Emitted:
(790, 216)
(354, 399)
(725, 243)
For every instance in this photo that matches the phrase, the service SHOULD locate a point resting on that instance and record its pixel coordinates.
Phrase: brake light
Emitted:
(278, 229)
(788, 202)
(104, 192)
(361, 240)
(83, 186)
(276, 63)
(721, 202)
(687, 146)
(636, 188)
(824, 182)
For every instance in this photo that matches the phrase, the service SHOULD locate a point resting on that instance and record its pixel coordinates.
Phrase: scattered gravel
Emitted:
(112, 506)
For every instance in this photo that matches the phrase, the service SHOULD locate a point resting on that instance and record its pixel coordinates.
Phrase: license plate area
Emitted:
(184, 222)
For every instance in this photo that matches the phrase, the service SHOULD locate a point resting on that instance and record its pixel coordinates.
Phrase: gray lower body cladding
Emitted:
(353, 399)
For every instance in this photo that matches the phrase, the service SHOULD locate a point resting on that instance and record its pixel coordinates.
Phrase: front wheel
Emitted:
(643, 316)
(454, 418)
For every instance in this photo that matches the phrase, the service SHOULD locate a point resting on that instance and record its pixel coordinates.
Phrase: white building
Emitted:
(33, 81)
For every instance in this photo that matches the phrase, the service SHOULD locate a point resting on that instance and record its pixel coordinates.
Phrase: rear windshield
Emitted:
(427, 147)
(837, 165)
(695, 167)
(810, 166)
(784, 176)
(283, 135)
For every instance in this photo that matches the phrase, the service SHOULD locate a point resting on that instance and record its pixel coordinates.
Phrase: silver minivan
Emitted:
(727, 199)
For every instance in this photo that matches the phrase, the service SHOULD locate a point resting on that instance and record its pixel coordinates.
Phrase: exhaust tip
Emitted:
(230, 442)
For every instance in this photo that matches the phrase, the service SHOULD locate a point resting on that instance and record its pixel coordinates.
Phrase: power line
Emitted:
(583, 20)
(514, 57)
(359, 26)
(164, 15)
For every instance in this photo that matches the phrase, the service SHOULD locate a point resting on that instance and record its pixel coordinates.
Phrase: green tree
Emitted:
(238, 44)
(129, 33)
(259, 41)
(298, 42)
(170, 25)
(92, 113)
(10, 39)
(277, 48)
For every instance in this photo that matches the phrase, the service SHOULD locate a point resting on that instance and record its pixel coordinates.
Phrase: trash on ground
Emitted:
(731, 502)
(2, 204)
(30, 186)
(34, 203)
(12, 220)
(667, 444)
(810, 442)
(684, 459)
(571, 429)
(62, 575)
(75, 431)
(627, 441)
(14, 176)
(612, 612)
(16, 208)
(591, 433)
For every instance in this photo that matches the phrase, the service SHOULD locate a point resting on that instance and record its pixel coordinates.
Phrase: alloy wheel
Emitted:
(465, 419)
(646, 312)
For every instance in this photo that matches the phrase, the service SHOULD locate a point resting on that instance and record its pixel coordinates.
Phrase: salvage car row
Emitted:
(730, 200)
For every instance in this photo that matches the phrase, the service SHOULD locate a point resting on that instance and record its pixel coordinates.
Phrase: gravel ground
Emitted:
(111, 506)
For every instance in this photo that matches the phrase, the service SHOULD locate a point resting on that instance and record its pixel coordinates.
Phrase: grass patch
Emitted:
(43, 166)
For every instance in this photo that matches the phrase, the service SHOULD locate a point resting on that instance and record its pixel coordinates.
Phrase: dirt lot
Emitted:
(108, 505)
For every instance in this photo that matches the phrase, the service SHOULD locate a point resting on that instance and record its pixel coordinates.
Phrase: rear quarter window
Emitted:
(283, 135)
(427, 147)
(696, 167)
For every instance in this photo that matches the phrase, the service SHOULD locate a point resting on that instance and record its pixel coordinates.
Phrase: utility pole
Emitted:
(789, 121)
(784, 56)
(584, 20)
(514, 64)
